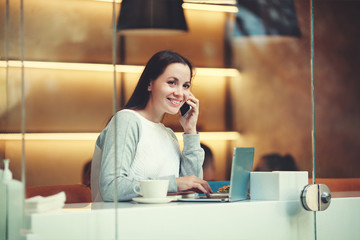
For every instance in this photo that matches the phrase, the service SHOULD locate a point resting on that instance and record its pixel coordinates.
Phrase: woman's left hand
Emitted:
(193, 183)
(190, 120)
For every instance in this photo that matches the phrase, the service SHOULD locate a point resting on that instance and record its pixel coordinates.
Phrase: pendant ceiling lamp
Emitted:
(266, 17)
(151, 17)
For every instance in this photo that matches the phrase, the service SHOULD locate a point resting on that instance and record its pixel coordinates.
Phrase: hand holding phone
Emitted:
(188, 114)
(185, 109)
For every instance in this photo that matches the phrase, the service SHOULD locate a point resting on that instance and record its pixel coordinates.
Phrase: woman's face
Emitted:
(171, 89)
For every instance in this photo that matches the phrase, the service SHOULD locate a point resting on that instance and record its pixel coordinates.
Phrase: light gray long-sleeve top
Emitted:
(144, 150)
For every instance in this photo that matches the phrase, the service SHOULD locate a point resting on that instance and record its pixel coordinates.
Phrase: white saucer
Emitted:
(153, 200)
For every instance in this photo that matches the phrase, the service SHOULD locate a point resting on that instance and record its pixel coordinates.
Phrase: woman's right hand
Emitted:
(190, 120)
(193, 183)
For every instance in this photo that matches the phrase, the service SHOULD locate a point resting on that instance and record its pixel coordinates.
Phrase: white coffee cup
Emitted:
(152, 188)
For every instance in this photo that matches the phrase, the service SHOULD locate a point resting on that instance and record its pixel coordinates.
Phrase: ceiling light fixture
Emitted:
(151, 17)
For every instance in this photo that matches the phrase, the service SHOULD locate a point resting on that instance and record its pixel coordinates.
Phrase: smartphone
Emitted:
(185, 108)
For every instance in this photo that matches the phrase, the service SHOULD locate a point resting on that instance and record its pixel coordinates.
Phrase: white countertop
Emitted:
(280, 216)
(175, 220)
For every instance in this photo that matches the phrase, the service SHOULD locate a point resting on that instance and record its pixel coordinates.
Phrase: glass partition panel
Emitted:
(272, 101)
(337, 96)
(61, 99)
(268, 102)
(65, 91)
(254, 89)
(12, 94)
(337, 115)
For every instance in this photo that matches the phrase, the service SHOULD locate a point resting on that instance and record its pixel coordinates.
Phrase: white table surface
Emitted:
(175, 220)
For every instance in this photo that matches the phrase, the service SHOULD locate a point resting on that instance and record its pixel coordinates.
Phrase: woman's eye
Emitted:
(171, 82)
(187, 86)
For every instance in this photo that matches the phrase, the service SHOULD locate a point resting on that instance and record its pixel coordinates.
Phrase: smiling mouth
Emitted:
(175, 102)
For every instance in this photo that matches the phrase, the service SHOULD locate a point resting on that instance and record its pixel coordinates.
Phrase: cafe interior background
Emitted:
(254, 90)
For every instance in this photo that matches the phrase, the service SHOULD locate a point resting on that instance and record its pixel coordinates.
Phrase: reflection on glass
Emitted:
(268, 105)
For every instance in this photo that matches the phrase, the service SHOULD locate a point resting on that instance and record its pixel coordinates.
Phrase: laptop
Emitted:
(242, 165)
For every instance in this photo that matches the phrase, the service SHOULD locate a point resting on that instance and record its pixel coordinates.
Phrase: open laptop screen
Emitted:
(242, 164)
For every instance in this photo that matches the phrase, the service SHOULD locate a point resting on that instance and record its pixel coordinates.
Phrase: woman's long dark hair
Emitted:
(153, 69)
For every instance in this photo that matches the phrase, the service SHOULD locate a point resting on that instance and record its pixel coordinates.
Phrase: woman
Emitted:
(145, 148)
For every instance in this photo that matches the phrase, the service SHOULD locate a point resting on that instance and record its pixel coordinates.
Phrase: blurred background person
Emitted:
(86, 174)
(208, 165)
(276, 162)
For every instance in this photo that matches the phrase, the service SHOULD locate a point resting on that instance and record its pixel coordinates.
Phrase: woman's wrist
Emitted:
(190, 132)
